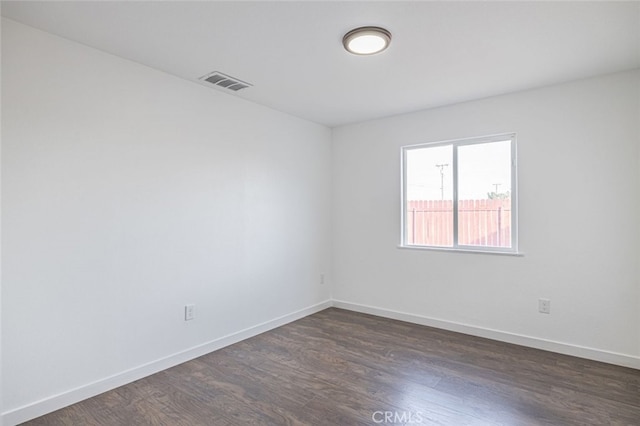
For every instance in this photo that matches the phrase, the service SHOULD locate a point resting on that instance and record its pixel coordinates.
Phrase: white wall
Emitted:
(579, 200)
(1, 398)
(128, 193)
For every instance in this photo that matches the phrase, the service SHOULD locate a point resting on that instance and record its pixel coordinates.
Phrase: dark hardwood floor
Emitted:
(343, 368)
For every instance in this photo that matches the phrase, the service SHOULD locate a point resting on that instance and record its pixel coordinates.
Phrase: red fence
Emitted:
(480, 222)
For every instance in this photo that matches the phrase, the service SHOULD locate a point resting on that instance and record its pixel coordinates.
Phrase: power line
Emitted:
(442, 166)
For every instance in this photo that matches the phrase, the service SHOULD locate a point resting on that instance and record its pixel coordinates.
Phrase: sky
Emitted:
(480, 167)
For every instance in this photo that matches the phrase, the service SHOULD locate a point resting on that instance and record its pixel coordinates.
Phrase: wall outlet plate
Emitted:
(544, 306)
(189, 312)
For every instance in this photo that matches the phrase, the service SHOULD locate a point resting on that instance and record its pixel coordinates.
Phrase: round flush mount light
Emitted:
(366, 40)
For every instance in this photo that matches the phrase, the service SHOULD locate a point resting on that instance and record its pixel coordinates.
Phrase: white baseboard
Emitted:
(56, 402)
(502, 336)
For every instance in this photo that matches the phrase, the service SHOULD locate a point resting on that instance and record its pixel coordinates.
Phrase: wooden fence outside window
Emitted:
(484, 223)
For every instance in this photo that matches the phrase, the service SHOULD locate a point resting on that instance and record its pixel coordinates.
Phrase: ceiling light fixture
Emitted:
(366, 40)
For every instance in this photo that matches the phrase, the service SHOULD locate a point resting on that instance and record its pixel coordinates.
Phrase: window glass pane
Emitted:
(429, 196)
(484, 194)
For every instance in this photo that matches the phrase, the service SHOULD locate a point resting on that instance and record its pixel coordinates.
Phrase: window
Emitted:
(461, 194)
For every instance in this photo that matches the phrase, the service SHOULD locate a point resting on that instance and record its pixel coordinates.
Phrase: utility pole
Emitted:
(496, 185)
(442, 166)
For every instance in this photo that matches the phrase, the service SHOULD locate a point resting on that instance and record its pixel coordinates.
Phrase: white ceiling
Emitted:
(441, 52)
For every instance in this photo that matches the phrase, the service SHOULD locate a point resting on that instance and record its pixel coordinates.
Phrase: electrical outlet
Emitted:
(544, 306)
(189, 312)
(321, 278)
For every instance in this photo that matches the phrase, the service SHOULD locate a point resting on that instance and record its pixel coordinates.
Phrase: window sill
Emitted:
(465, 250)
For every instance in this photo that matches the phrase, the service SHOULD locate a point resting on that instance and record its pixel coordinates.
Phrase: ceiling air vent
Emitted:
(226, 81)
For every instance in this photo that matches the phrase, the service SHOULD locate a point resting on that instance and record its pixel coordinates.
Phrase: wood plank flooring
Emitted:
(344, 368)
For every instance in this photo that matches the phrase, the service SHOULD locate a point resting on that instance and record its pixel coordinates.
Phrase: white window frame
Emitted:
(455, 143)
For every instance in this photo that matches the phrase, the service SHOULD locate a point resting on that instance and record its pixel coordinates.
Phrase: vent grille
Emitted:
(223, 80)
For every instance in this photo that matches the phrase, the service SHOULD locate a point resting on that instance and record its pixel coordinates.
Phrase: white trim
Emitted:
(623, 360)
(471, 140)
(457, 250)
(64, 399)
(455, 144)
